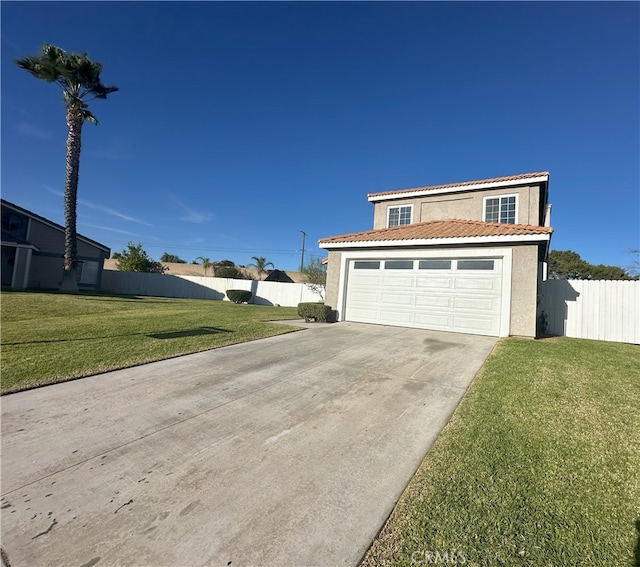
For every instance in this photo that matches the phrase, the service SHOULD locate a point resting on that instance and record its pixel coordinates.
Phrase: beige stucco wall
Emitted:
(524, 291)
(333, 280)
(469, 205)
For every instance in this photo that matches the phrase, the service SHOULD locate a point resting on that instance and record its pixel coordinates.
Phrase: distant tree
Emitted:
(568, 265)
(601, 272)
(79, 78)
(206, 263)
(228, 269)
(260, 264)
(315, 275)
(134, 259)
(634, 268)
(171, 258)
(230, 272)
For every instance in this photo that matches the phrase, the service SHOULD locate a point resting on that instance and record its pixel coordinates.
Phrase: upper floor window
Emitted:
(14, 223)
(398, 216)
(501, 209)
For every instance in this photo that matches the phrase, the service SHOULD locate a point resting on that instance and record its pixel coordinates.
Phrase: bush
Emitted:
(315, 312)
(230, 272)
(239, 295)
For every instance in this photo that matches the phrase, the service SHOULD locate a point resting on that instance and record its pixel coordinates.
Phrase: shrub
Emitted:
(239, 295)
(230, 272)
(315, 311)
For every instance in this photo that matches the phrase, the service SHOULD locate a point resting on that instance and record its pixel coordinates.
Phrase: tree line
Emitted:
(568, 265)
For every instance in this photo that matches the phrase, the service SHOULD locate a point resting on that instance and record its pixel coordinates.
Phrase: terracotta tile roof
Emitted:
(455, 228)
(493, 180)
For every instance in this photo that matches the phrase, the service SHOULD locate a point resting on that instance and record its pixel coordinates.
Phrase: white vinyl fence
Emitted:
(200, 287)
(602, 310)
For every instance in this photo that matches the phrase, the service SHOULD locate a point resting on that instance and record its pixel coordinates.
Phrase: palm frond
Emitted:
(75, 73)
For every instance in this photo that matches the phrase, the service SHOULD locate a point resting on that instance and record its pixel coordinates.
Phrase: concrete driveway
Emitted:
(288, 451)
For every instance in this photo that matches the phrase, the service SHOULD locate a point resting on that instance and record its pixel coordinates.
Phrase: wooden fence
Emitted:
(585, 309)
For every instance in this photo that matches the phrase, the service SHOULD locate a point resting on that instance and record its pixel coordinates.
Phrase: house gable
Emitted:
(466, 200)
(8, 208)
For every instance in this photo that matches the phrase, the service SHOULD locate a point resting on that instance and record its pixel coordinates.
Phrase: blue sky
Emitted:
(237, 125)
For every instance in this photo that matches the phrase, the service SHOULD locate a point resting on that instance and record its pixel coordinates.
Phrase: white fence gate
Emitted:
(200, 287)
(586, 309)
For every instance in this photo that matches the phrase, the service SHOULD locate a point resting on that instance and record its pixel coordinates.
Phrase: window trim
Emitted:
(423, 266)
(484, 206)
(389, 208)
(478, 263)
(407, 263)
(366, 264)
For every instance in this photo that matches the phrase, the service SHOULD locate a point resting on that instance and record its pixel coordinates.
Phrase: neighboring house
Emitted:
(33, 252)
(464, 257)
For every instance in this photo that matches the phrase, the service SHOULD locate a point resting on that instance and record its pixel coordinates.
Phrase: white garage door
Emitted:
(448, 294)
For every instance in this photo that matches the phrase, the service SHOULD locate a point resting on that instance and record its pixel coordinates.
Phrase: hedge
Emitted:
(315, 312)
(239, 295)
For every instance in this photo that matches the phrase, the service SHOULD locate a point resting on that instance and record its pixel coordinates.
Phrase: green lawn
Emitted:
(50, 337)
(539, 466)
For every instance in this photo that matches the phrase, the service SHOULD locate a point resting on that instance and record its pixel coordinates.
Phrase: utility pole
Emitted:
(304, 235)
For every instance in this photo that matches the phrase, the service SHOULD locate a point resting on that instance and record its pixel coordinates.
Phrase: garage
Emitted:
(458, 294)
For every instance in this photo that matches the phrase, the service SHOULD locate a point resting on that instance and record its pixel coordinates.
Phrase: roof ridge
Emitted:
(515, 177)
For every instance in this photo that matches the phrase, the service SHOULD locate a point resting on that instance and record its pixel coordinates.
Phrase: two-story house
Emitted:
(33, 252)
(463, 257)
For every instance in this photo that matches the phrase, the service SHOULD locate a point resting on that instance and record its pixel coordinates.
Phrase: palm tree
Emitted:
(260, 264)
(79, 78)
(206, 263)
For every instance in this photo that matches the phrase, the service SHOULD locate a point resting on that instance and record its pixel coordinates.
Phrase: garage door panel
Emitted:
(398, 281)
(364, 315)
(366, 278)
(389, 316)
(442, 321)
(475, 304)
(433, 301)
(435, 283)
(396, 299)
(472, 324)
(366, 298)
(444, 299)
(477, 284)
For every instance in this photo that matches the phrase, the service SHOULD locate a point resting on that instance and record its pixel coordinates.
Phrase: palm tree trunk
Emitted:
(74, 124)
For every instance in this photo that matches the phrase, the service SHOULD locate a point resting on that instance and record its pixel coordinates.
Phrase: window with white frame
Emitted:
(399, 216)
(501, 209)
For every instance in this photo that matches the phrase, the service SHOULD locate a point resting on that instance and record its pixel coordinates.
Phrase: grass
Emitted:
(50, 337)
(539, 466)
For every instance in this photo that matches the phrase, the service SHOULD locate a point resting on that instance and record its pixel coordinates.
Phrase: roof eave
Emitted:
(19, 245)
(504, 239)
(55, 225)
(407, 193)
